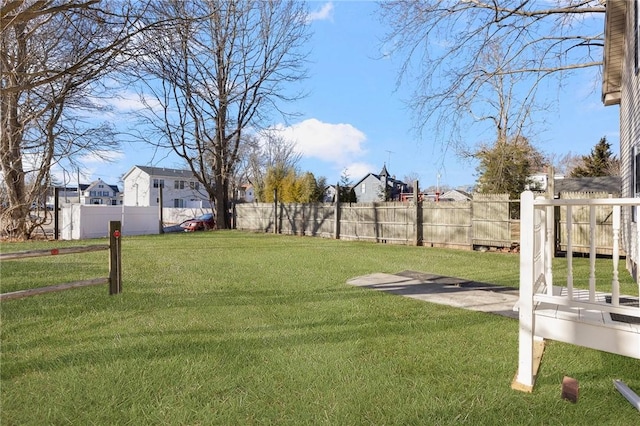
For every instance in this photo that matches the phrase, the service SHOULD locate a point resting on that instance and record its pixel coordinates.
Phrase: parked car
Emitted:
(201, 223)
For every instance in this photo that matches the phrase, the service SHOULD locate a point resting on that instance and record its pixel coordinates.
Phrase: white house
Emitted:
(180, 188)
(246, 193)
(380, 187)
(96, 193)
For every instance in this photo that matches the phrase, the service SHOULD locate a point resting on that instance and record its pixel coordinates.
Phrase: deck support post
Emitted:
(525, 377)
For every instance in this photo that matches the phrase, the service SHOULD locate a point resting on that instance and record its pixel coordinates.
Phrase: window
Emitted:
(92, 194)
(100, 186)
(194, 185)
(158, 183)
(179, 184)
(105, 193)
(364, 187)
(178, 202)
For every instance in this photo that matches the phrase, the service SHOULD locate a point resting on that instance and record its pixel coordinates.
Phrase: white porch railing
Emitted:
(580, 316)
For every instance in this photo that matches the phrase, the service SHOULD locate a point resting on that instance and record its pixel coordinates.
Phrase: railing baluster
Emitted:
(549, 247)
(569, 252)
(615, 284)
(592, 253)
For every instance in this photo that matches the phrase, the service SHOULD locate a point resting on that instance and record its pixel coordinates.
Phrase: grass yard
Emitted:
(233, 328)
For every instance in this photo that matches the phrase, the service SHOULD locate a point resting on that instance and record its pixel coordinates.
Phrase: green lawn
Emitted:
(237, 328)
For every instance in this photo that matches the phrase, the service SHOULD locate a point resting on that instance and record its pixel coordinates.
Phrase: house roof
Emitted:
(163, 171)
(608, 184)
(456, 194)
(84, 187)
(615, 23)
(384, 173)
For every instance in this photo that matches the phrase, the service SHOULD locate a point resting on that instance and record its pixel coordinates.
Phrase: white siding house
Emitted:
(180, 188)
(100, 193)
(96, 193)
(246, 193)
(621, 86)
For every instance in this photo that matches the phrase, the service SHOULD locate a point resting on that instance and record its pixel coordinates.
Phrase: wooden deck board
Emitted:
(587, 327)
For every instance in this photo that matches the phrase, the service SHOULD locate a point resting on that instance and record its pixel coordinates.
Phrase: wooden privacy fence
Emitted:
(455, 224)
(582, 228)
(486, 221)
(115, 265)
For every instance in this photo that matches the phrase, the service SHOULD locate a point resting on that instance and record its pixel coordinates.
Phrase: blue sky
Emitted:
(354, 117)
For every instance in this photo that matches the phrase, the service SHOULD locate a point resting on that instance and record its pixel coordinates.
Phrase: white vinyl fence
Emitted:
(79, 221)
(174, 215)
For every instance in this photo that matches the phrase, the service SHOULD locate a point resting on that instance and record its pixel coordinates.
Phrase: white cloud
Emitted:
(340, 144)
(129, 101)
(357, 171)
(102, 157)
(324, 13)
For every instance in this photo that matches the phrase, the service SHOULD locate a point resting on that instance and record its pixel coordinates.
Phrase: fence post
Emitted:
(160, 213)
(115, 258)
(418, 212)
(56, 219)
(336, 215)
(525, 375)
(275, 211)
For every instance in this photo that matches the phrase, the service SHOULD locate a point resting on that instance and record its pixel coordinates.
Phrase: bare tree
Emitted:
(444, 45)
(53, 54)
(505, 164)
(268, 151)
(564, 163)
(216, 70)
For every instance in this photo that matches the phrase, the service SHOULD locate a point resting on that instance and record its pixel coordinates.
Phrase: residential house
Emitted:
(607, 184)
(540, 181)
(329, 195)
(246, 193)
(621, 86)
(380, 187)
(180, 188)
(455, 195)
(97, 193)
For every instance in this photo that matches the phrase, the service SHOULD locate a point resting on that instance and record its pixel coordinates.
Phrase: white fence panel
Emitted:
(140, 220)
(171, 215)
(81, 221)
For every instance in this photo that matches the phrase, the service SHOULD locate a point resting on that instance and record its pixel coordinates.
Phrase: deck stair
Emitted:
(605, 321)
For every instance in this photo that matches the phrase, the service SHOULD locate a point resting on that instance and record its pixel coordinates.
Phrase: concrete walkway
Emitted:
(443, 290)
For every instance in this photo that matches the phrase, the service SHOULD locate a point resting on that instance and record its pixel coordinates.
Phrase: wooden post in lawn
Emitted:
(275, 211)
(336, 215)
(56, 206)
(418, 213)
(160, 204)
(115, 257)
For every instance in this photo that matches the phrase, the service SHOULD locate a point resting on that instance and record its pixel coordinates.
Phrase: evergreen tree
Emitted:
(321, 186)
(601, 162)
(505, 167)
(347, 194)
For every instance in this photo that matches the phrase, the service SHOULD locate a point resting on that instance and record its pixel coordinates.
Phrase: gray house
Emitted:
(380, 187)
